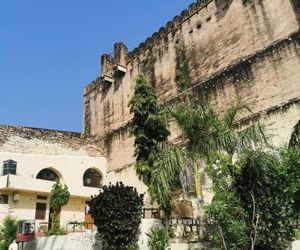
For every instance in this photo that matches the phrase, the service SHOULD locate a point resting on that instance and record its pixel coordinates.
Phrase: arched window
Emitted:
(92, 178)
(48, 175)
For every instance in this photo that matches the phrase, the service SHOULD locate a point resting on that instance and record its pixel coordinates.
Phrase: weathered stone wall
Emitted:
(219, 49)
(52, 142)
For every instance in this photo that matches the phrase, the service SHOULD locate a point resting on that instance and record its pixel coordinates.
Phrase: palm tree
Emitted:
(204, 133)
(230, 136)
(196, 124)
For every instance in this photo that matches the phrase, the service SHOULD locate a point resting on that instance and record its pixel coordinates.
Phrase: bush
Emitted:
(8, 232)
(297, 234)
(254, 202)
(117, 213)
(158, 239)
(225, 223)
(266, 185)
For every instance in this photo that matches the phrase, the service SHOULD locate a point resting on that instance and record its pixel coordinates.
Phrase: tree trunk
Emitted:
(198, 186)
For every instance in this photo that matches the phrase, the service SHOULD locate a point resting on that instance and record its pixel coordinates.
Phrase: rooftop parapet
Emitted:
(169, 27)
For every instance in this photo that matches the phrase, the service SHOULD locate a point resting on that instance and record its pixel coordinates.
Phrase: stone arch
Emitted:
(49, 174)
(295, 136)
(92, 177)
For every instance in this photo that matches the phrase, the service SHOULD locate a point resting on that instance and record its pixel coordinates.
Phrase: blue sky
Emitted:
(49, 50)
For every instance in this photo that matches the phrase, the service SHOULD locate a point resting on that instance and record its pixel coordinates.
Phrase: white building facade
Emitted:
(31, 160)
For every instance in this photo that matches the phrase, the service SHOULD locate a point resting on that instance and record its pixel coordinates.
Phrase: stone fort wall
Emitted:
(219, 50)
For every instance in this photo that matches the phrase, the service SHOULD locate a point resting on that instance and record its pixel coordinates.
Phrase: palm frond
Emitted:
(235, 111)
(167, 168)
(253, 134)
(195, 121)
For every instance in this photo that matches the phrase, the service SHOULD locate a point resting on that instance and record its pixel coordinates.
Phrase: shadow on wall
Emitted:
(222, 8)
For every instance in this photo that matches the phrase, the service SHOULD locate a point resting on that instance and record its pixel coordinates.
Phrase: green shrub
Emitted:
(117, 213)
(158, 239)
(297, 234)
(59, 197)
(266, 185)
(254, 202)
(225, 223)
(8, 232)
(56, 229)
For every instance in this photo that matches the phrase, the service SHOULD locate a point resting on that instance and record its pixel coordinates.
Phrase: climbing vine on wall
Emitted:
(59, 197)
(182, 75)
(148, 68)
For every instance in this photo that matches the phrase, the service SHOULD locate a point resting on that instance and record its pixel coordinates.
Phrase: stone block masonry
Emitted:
(216, 49)
(25, 140)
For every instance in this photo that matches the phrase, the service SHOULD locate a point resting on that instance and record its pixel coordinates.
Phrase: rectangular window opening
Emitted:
(40, 211)
(41, 197)
(4, 198)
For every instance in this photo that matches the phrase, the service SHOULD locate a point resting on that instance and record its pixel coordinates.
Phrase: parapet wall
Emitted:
(51, 142)
(219, 49)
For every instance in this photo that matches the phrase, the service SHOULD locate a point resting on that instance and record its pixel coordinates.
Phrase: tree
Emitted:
(226, 225)
(165, 175)
(8, 232)
(59, 197)
(205, 132)
(117, 213)
(195, 122)
(231, 138)
(225, 222)
(266, 185)
(263, 188)
(147, 126)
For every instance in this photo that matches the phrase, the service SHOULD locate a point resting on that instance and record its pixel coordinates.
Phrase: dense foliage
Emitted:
(147, 126)
(204, 133)
(266, 185)
(117, 213)
(158, 239)
(8, 232)
(225, 222)
(59, 197)
(254, 202)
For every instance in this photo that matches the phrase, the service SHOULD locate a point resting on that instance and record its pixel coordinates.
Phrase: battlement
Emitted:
(171, 26)
(123, 57)
(215, 49)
